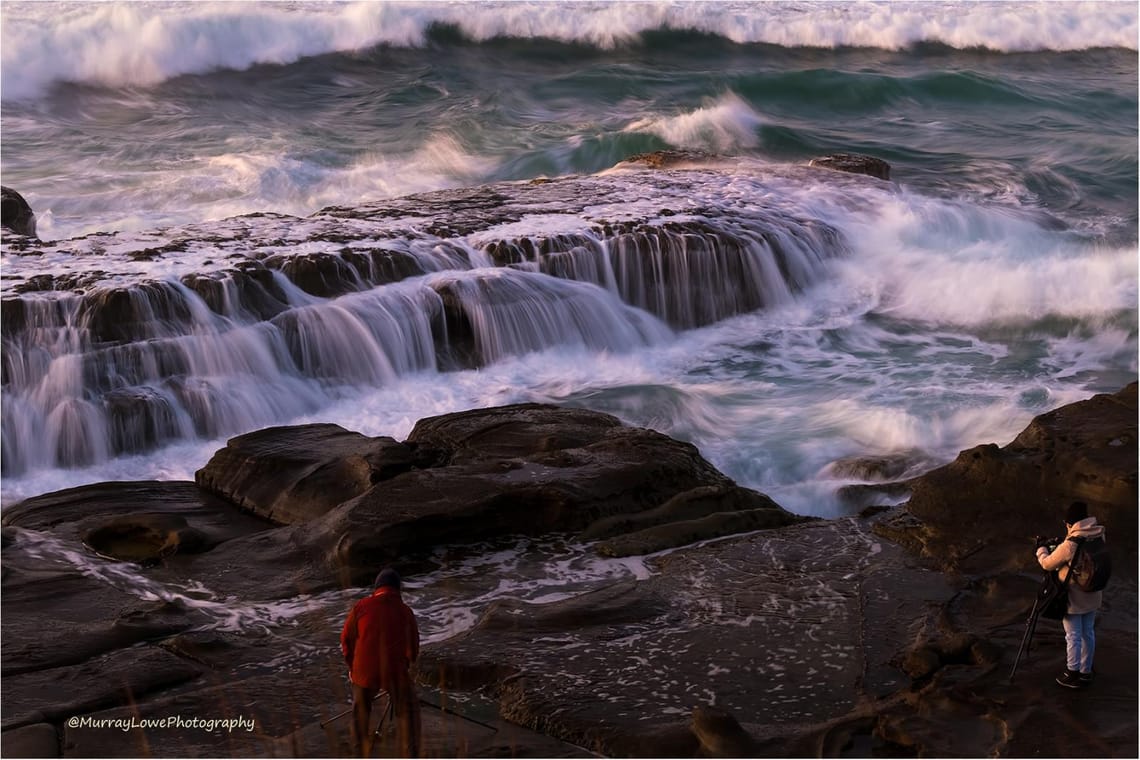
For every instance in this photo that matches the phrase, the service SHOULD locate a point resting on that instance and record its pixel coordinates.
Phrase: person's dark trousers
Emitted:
(362, 698)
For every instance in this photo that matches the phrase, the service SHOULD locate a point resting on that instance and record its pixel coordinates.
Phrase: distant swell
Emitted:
(142, 44)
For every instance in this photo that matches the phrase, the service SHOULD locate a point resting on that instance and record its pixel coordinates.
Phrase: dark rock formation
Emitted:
(295, 474)
(139, 518)
(880, 474)
(464, 477)
(690, 505)
(702, 513)
(253, 288)
(527, 468)
(323, 275)
(854, 163)
(509, 432)
(15, 213)
(351, 504)
(125, 314)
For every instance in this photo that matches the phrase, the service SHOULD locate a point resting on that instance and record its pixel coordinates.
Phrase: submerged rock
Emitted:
(878, 468)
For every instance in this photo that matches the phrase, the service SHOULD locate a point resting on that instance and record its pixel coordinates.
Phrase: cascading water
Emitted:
(300, 323)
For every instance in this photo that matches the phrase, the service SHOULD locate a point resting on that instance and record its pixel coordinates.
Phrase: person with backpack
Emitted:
(381, 642)
(1076, 559)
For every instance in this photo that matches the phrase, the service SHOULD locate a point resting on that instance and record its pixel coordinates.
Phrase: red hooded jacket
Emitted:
(380, 640)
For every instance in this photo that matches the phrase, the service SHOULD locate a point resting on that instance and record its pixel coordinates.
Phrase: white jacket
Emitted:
(1080, 601)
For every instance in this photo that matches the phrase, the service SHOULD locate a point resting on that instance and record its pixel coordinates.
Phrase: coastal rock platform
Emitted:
(125, 604)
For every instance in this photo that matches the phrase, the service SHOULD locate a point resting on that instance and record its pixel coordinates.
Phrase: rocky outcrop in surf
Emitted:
(264, 317)
(855, 163)
(15, 213)
(526, 469)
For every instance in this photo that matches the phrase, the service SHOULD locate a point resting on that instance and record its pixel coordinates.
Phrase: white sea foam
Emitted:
(126, 44)
(945, 262)
(726, 125)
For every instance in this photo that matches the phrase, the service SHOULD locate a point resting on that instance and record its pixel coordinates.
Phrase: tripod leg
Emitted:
(377, 734)
(1027, 637)
(386, 714)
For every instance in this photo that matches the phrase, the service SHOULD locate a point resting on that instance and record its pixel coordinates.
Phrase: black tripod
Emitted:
(1051, 587)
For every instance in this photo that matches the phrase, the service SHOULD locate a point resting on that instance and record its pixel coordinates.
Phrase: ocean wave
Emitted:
(142, 44)
(954, 263)
(725, 125)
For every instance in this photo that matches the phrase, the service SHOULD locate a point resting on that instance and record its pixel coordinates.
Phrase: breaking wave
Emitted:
(142, 44)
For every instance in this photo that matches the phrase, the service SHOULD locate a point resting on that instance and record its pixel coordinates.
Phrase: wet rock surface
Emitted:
(140, 521)
(295, 474)
(735, 624)
(855, 163)
(525, 469)
(847, 637)
(65, 617)
(343, 250)
(15, 213)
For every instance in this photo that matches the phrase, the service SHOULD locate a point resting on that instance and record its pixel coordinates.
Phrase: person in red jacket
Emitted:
(381, 642)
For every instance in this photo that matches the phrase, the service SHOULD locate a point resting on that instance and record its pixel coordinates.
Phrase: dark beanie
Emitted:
(1076, 512)
(388, 577)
